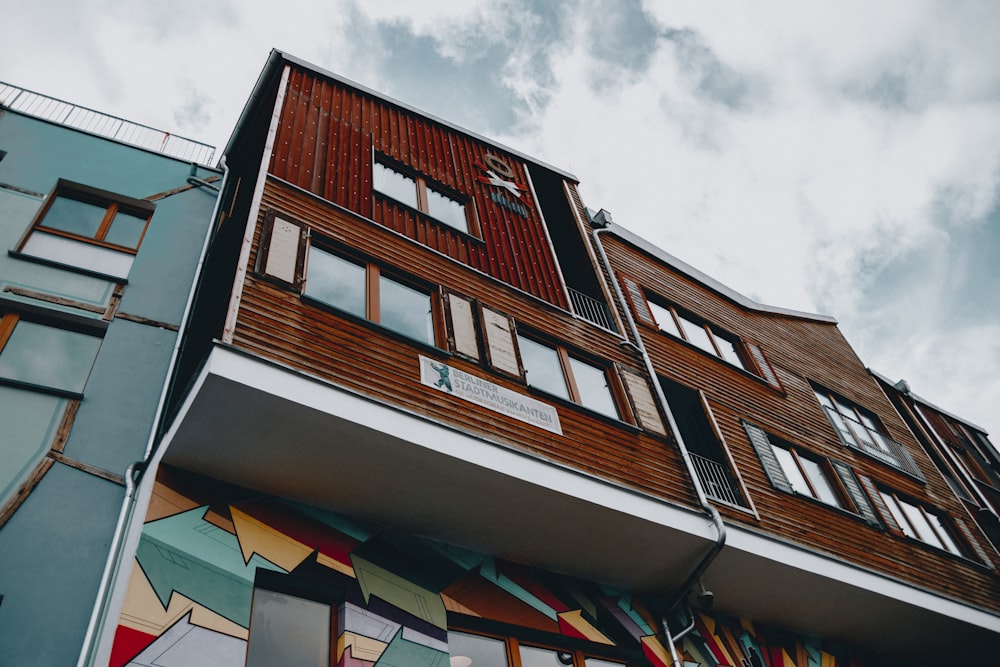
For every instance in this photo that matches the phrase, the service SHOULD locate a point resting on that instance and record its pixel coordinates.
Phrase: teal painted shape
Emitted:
(625, 604)
(489, 571)
(814, 654)
(695, 644)
(202, 562)
(352, 529)
(751, 647)
(465, 559)
(405, 653)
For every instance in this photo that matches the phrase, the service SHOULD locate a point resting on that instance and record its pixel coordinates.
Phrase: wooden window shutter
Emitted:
(644, 405)
(633, 292)
(971, 540)
(500, 341)
(758, 438)
(883, 509)
(281, 253)
(856, 493)
(763, 365)
(460, 322)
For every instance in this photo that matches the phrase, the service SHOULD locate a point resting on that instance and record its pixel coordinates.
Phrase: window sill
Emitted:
(373, 326)
(42, 389)
(742, 371)
(67, 267)
(566, 403)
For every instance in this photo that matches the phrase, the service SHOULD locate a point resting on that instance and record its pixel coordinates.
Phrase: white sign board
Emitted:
(489, 395)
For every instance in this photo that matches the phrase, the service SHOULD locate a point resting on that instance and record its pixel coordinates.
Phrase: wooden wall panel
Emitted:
(801, 350)
(325, 142)
(274, 323)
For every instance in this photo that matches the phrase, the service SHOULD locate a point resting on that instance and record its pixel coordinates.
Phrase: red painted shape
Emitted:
(128, 644)
(711, 641)
(310, 532)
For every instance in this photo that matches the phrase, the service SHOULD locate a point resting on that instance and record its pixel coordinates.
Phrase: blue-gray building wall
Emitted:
(54, 546)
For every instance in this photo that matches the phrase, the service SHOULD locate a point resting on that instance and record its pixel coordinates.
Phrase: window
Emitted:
(416, 192)
(41, 369)
(469, 650)
(859, 429)
(806, 475)
(793, 470)
(362, 289)
(701, 335)
(45, 357)
(703, 445)
(919, 523)
(288, 630)
(554, 371)
(88, 228)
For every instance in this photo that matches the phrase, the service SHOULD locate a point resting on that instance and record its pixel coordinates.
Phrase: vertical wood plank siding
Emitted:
(325, 140)
(274, 323)
(801, 350)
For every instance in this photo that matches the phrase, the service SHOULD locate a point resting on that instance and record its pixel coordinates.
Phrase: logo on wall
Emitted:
(498, 174)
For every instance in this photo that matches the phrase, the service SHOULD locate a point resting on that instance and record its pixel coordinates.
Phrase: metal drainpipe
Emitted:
(135, 470)
(713, 513)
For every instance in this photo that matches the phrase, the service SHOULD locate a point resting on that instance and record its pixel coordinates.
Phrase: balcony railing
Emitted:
(73, 115)
(591, 309)
(857, 436)
(714, 480)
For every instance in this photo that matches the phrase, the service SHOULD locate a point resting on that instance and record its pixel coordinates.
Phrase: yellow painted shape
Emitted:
(580, 624)
(786, 659)
(708, 621)
(748, 626)
(455, 606)
(656, 651)
(269, 543)
(334, 564)
(142, 611)
(362, 648)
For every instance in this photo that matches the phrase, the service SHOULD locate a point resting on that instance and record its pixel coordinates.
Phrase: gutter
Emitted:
(712, 513)
(95, 640)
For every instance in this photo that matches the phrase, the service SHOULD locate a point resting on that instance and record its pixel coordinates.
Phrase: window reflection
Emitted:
(480, 651)
(542, 367)
(406, 310)
(48, 357)
(336, 281)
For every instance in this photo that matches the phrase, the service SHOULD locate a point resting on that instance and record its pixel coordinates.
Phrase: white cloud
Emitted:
(812, 155)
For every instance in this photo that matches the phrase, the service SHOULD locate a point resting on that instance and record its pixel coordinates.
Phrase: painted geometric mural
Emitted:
(206, 545)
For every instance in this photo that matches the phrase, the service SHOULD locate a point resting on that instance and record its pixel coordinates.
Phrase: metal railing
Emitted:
(591, 309)
(857, 436)
(73, 115)
(715, 480)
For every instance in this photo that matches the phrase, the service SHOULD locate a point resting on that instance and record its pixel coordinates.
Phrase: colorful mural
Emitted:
(205, 546)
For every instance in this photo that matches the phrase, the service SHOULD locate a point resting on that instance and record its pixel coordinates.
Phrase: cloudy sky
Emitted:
(833, 157)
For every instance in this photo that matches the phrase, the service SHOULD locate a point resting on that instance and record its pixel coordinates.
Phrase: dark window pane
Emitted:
(126, 230)
(75, 217)
(48, 357)
(406, 310)
(336, 281)
(542, 368)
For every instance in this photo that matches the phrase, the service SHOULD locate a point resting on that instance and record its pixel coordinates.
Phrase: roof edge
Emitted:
(709, 282)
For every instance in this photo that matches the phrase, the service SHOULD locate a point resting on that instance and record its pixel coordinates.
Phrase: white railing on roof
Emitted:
(73, 115)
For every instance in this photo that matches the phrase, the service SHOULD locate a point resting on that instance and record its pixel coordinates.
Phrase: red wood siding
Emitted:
(324, 144)
(801, 350)
(274, 323)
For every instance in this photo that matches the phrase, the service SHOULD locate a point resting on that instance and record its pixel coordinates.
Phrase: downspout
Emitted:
(720, 527)
(135, 471)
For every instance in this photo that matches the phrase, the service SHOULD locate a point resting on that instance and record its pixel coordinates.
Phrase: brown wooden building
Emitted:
(414, 327)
